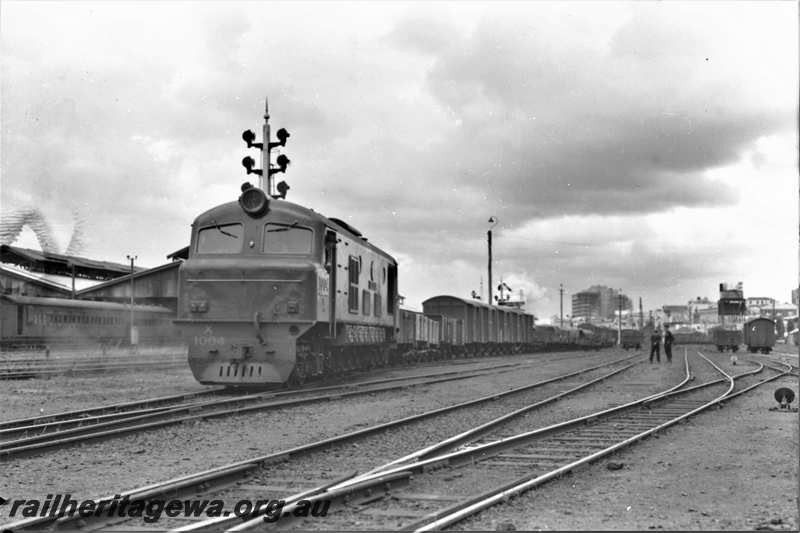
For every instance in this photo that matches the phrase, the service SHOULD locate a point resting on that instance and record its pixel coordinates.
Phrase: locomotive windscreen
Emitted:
(220, 239)
(283, 239)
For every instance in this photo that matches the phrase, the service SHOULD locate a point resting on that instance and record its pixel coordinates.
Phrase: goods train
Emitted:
(273, 292)
(28, 322)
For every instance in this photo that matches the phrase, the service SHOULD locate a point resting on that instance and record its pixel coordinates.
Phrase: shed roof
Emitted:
(127, 278)
(52, 263)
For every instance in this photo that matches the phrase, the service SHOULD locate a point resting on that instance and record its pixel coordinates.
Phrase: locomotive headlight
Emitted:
(254, 202)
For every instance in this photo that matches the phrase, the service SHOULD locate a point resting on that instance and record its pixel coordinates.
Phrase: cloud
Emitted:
(559, 125)
(568, 122)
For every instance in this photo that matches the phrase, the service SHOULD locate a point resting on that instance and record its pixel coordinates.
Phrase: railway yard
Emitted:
(544, 441)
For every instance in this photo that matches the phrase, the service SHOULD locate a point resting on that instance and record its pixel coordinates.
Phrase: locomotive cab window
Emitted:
(220, 239)
(287, 239)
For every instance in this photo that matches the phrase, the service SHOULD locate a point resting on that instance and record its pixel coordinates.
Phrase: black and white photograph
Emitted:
(399, 265)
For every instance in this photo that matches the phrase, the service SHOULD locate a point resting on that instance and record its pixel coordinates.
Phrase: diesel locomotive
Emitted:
(273, 291)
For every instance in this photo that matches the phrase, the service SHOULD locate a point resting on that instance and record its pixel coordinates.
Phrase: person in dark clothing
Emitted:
(668, 340)
(655, 345)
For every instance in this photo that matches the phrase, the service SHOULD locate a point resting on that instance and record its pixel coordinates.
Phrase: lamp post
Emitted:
(493, 223)
(132, 258)
(561, 303)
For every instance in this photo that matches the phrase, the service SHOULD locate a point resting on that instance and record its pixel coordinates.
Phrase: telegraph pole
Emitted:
(561, 303)
(619, 324)
(489, 289)
(134, 340)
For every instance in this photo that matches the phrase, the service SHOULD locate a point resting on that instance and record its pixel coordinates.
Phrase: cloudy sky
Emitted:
(647, 146)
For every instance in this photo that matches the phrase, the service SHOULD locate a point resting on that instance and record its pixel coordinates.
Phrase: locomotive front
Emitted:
(253, 283)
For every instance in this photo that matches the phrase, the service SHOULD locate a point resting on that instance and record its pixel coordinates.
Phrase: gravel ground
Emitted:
(109, 466)
(729, 469)
(34, 397)
(641, 380)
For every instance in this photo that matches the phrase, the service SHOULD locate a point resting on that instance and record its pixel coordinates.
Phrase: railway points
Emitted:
(596, 435)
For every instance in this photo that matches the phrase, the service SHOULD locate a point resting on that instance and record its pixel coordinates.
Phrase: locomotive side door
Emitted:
(332, 267)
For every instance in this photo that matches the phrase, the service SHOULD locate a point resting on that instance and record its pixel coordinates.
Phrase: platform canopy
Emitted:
(59, 264)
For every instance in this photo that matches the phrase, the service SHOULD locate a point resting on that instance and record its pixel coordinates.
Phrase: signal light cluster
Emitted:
(281, 162)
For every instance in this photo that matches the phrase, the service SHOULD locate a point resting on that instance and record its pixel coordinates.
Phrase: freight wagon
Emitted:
(759, 335)
(487, 329)
(726, 339)
(632, 338)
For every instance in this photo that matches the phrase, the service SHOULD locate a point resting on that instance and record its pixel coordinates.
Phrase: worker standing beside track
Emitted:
(655, 345)
(668, 340)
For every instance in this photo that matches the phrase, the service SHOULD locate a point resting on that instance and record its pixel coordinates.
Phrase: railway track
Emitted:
(55, 367)
(439, 496)
(34, 435)
(780, 357)
(85, 417)
(568, 383)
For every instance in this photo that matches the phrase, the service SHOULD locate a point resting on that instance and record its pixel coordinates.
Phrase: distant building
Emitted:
(676, 313)
(796, 296)
(773, 310)
(759, 301)
(706, 316)
(586, 305)
(598, 303)
(699, 304)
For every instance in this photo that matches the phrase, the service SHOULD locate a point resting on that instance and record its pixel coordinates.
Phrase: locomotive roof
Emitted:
(475, 303)
(81, 304)
(232, 210)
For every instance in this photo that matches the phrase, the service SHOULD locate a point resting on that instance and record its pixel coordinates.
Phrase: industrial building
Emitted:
(598, 303)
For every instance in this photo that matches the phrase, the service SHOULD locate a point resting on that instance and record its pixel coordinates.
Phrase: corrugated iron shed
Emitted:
(59, 264)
